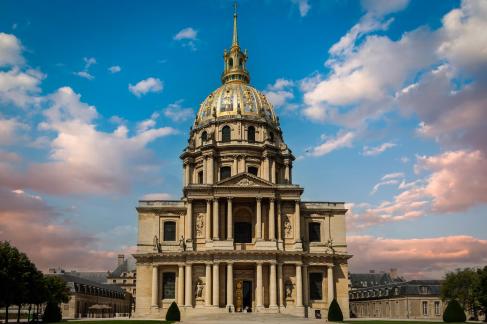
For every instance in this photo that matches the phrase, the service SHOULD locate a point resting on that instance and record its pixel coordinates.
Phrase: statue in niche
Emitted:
(287, 226)
(182, 245)
(156, 245)
(200, 224)
(289, 288)
(199, 289)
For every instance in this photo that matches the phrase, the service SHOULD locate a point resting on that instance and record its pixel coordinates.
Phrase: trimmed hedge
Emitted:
(334, 312)
(454, 312)
(173, 313)
(52, 313)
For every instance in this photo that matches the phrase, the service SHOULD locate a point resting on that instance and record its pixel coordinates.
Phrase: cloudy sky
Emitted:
(383, 102)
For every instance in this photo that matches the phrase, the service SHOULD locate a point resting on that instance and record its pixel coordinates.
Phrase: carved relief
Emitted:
(245, 183)
(200, 224)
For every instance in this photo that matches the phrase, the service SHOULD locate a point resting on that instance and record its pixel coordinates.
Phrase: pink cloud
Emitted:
(416, 258)
(38, 229)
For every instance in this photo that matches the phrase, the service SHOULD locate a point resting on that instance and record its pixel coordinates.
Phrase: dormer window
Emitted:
(225, 172)
(251, 134)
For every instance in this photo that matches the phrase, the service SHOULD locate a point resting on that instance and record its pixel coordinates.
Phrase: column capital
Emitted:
(189, 200)
(209, 200)
(229, 198)
(259, 199)
(259, 262)
(230, 262)
(297, 201)
(215, 199)
(272, 199)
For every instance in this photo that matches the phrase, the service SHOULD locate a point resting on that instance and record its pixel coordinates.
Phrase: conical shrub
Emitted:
(52, 313)
(334, 312)
(173, 313)
(454, 312)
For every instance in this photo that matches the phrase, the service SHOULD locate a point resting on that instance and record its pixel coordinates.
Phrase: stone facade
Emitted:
(241, 238)
(380, 296)
(124, 276)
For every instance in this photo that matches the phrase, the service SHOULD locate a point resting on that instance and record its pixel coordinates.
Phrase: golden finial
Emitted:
(235, 33)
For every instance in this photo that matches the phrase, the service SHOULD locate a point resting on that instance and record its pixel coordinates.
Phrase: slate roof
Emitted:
(360, 280)
(128, 265)
(70, 279)
(397, 289)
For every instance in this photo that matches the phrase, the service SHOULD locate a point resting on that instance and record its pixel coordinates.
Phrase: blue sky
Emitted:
(96, 100)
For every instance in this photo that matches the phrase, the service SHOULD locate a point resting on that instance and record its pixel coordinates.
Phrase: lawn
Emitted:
(119, 322)
(394, 322)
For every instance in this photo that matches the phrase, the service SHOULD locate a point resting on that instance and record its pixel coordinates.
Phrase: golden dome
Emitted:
(236, 99)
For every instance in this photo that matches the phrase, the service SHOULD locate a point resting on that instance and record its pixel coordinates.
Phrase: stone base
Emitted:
(230, 308)
(189, 245)
(223, 245)
(280, 245)
(298, 246)
(265, 245)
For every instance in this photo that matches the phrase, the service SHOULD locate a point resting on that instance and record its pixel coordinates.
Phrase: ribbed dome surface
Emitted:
(236, 98)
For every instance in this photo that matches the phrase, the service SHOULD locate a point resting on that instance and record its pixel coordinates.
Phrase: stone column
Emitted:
(258, 297)
(230, 287)
(266, 168)
(189, 224)
(180, 284)
(297, 222)
(186, 174)
(211, 168)
(216, 285)
(279, 220)
(216, 220)
(208, 220)
(188, 285)
(259, 219)
(208, 285)
(273, 171)
(280, 282)
(299, 286)
(272, 286)
(305, 285)
(205, 173)
(155, 285)
(331, 288)
(235, 164)
(286, 172)
(272, 220)
(229, 219)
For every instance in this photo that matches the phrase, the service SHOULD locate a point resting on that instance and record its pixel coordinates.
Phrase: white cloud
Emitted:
(383, 183)
(343, 139)
(10, 129)
(177, 112)
(85, 75)
(157, 196)
(280, 93)
(145, 86)
(89, 61)
(393, 175)
(372, 151)
(186, 33)
(10, 50)
(303, 6)
(384, 7)
(188, 37)
(114, 69)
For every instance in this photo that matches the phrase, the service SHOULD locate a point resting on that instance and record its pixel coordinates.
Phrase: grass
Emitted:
(120, 322)
(394, 322)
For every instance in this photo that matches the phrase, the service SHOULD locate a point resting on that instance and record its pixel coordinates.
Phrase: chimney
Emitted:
(52, 270)
(120, 258)
(393, 273)
(371, 271)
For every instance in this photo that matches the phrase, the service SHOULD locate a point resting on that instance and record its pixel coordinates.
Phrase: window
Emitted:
(425, 308)
(200, 177)
(243, 232)
(396, 291)
(251, 134)
(114, 281)
(226, 136)
(253, 170)
(437, 308)
(271, 137)
(423, 290)
(169, 231)
(315, 286)
(314, 232)
(230, 62)
(168, 284)
(204, 137)
(225, 172)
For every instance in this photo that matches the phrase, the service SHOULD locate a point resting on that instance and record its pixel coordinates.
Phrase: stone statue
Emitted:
(182, 245)
(156, 245)
(199, 289)
(289, 289)
(287, 226)
(200, 224)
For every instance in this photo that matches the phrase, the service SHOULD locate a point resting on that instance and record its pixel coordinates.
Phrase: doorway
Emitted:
(247, 295)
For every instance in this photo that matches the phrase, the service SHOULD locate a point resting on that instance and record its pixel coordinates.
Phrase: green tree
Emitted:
(482, 289)
(57, 290)
(173, 313)
(462, 285)
(334, 312)
(454, 313)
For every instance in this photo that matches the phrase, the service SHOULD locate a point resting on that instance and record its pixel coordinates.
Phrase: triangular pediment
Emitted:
(244, 180)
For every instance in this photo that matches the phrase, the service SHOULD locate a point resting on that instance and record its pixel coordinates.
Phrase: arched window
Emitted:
(226, 135)
(240, 62)
(204, 137)
(169, 231)
(271, 137)
(251, 134)
(200, 177)
(168, 285)
(253, 170)
(225, 172)
(230, 62)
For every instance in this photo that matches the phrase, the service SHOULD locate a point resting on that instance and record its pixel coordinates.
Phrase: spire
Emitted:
(235, 60)
(235, 33)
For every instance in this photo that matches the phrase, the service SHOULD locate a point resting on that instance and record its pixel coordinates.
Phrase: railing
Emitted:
(160, 203)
